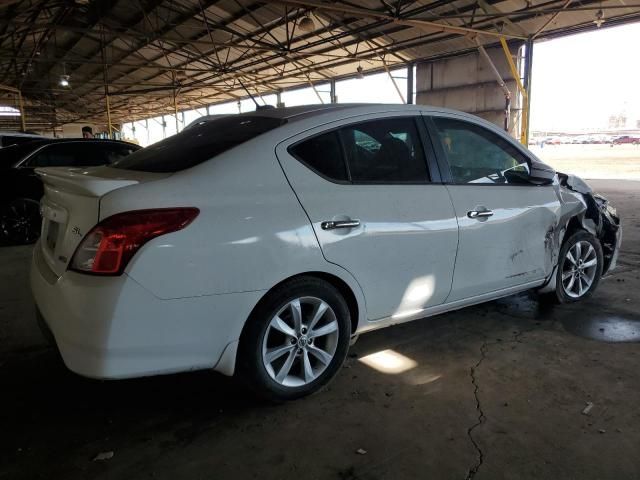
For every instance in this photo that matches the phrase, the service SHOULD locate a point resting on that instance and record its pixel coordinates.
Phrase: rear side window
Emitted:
(385, 151)
(323, 154)
(198, 144)
(377, 151)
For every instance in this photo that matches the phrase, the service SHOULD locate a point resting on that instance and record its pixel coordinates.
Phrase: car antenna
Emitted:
(258, 106)
(249, 93)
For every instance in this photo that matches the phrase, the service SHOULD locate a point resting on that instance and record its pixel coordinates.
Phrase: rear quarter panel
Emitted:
(250, 235)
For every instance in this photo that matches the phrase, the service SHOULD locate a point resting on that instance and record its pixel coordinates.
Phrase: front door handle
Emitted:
(479, 213)
(333, 224)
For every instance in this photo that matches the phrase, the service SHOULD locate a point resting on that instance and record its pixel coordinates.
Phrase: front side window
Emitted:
(384, 151)
(477, 155)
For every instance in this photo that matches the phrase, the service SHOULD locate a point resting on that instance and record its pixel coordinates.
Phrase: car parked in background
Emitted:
(21, 189)
(17, 138)
(626, 139)
(260, 243)
(553, 141)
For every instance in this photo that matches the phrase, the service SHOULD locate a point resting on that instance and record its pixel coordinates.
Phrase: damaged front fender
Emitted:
(581, 208)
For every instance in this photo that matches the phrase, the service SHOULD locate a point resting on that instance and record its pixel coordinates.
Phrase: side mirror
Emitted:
(541, 173)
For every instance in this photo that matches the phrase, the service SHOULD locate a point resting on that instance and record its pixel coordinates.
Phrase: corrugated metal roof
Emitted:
(146, 51)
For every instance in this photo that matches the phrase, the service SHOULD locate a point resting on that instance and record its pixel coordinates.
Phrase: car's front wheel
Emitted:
(579, 267)
(295, 341)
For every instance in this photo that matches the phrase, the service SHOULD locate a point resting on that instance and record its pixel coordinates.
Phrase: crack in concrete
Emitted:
(476, 387)
(481, 417)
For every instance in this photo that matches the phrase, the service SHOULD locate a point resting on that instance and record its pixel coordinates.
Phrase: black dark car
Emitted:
(21, 189)
(18, 138)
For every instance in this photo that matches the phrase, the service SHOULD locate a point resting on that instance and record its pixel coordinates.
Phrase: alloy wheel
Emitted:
(20, 222)
(300, 341)
(579, 269)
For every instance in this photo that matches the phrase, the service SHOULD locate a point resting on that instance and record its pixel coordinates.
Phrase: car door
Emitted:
(376, 210)
(505, 221)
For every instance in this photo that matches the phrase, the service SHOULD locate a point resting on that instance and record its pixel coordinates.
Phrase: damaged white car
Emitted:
(259, 244)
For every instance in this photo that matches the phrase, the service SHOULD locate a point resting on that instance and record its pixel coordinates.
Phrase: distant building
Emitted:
(618, 121)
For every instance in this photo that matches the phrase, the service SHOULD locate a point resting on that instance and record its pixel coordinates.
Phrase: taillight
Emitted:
(108, 247)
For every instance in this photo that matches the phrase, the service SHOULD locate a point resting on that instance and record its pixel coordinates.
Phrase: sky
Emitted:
(579, 81)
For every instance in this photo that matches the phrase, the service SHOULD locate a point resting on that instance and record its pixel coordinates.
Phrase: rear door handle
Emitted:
(479, 213)
(333, 224)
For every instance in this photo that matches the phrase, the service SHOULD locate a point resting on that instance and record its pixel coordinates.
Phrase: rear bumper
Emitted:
(112, 327)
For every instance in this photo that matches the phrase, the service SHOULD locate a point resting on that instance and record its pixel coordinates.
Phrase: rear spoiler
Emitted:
(80, 181)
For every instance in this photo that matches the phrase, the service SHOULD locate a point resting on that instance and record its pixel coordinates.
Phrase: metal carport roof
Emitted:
(143, 52)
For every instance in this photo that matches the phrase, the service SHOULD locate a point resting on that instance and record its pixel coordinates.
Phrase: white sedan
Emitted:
(259, 244)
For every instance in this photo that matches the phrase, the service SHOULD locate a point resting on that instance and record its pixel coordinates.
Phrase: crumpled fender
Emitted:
(581, 208)
(576, 184)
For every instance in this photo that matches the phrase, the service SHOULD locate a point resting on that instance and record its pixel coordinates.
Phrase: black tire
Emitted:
(251, 368)
(20, 222)
(561, 294)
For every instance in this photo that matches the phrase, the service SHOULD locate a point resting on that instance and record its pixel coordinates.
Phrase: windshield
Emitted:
(198, 143)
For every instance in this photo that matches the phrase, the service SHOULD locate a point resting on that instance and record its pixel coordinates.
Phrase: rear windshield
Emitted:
(198, 144)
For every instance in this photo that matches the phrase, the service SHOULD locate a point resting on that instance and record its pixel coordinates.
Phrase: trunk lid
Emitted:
(71, 206)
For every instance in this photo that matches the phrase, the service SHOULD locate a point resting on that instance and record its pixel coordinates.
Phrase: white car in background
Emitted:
(258, 244)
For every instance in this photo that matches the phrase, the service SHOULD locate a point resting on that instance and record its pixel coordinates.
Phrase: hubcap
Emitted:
(579, 269)
(300, 341)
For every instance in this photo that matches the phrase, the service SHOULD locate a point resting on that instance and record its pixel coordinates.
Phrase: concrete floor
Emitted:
(497, 392)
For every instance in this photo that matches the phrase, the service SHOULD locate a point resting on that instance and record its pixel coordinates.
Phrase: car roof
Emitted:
(45, 141)
(20, 134)
(320, 109)
(303, 112)
(307, 111)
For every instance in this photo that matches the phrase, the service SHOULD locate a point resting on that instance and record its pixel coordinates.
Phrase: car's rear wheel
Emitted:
(579, 267)
(295, 341)
(20, 221)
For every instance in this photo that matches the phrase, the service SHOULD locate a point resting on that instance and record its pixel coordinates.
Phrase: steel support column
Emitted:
(108, 105)
(502, 83)
(410, 70)
(332, 94)
(528, 69)
(175, 109)
(524, 115)
(23, 121)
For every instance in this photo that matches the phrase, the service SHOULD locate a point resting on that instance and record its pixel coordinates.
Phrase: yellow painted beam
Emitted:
(523, 91)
